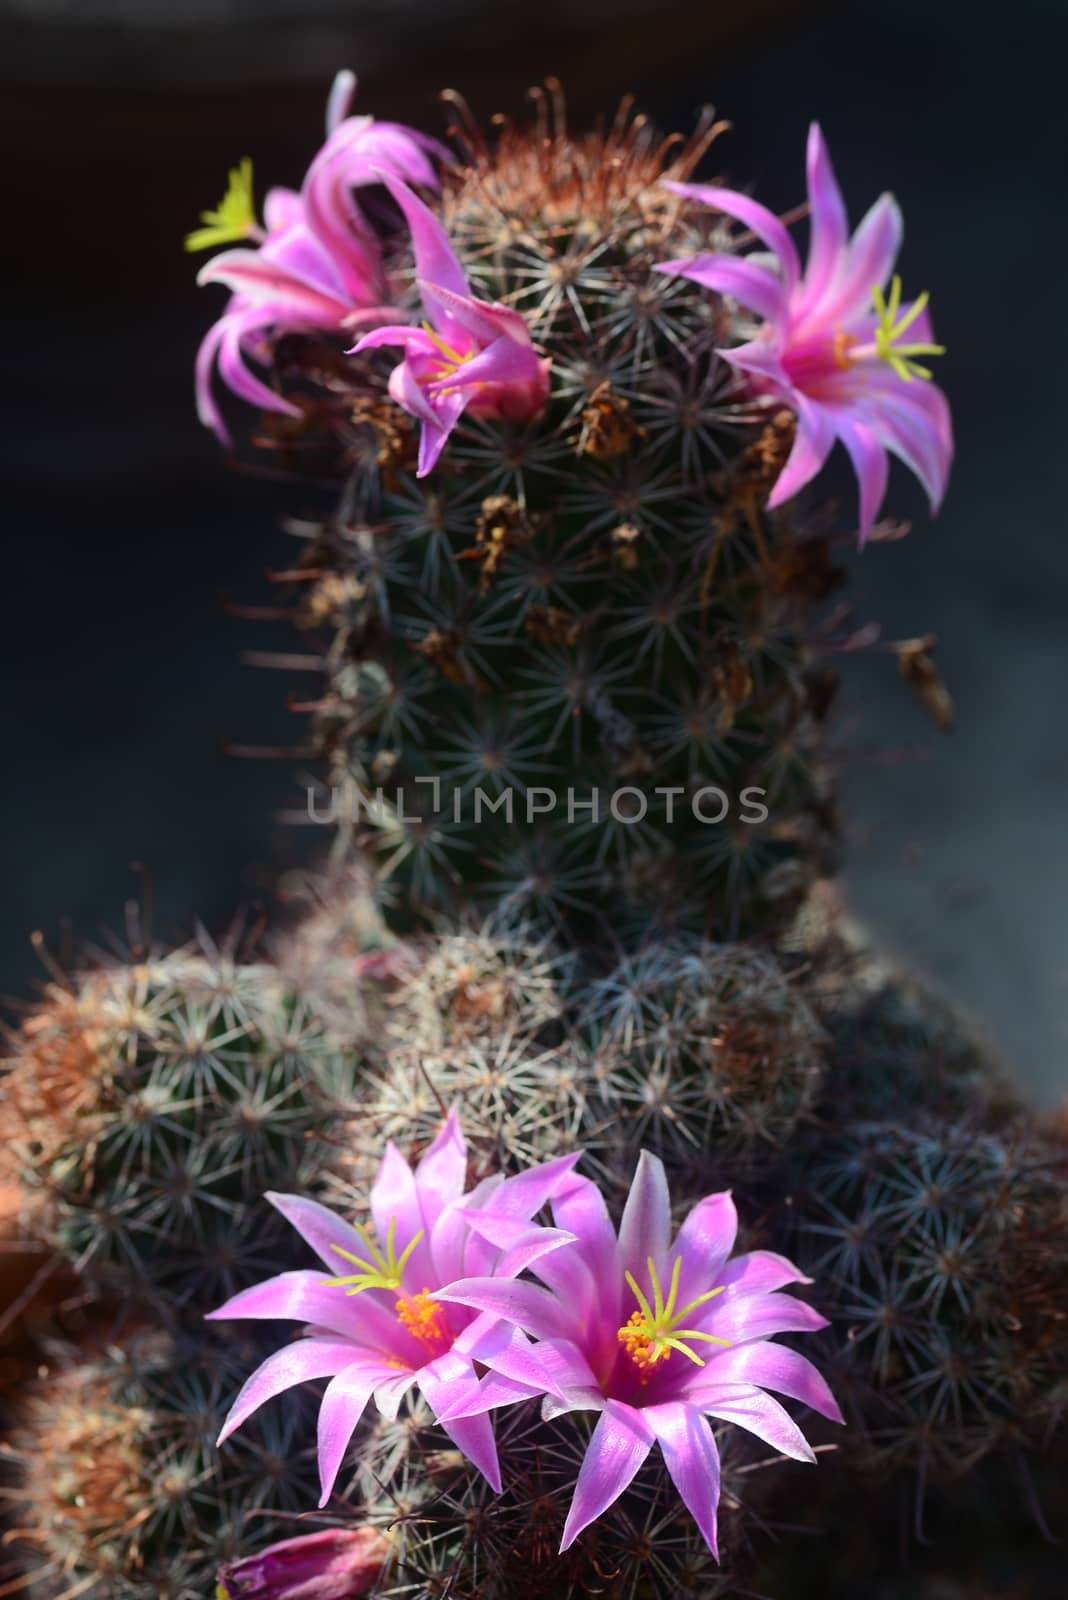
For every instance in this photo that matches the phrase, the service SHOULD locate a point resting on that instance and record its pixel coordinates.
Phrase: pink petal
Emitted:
(774, 1366)
(578, 1206)
(483, 321)
(502, 362)
(621, 1441)
(440, 1175)
(759, 1272)
(689, 1449)
(390, 1393)
(234, 327)
(524, 1195)
(764, 223)
(646, 1224)
(282, 209)
(912, 420)
(396, 333)
(343, 1404)
(526, 1304)
(295, 1363)
(261, 281)
(749, 1317)
(704, 1242)
(761, 360)
(443, 1386)
(747, 282)
(297, 1297)
(761, 1415)
(828, 225)
(545, 1366)
(340, 98)
(869, 260)
(870, 465)
(811, 447)
(395, 1203)
(521, 1243)
(320, 1228)
(208, 412)
(435, 259)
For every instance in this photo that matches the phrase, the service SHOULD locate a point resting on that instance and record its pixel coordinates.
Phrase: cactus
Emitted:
(112, 1463)
(152, 1102)
(587, 609)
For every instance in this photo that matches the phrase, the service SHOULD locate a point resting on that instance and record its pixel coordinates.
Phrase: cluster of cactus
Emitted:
(591, 604)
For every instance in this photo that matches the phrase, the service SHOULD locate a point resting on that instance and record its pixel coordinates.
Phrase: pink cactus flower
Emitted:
(656, 1334)
(382, 1328)
(333, 1564)
(833, 348)
(469, 354)
(314, 264)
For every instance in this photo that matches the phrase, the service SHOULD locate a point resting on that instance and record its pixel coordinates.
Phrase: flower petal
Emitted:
(340, 98)
(528, 1305)
(692, 1460)
(524, 1194)
(764, 223)
(443, 1384)
(645, 1227)
(439, 1177)
(828, 225)
(343, 1404)
(621, 1441)
(751, 285)
(435, 259)
(293, 1364)
(297, 1297)
(744, 1318)
(395, 1204)
(544, 1366)
(704, 1242)
(326, 1232)
(774, 1366)
(482, 320)
(868, 261)
(811, 447)
(758, 1413)
(870, 465)
(759, 1272)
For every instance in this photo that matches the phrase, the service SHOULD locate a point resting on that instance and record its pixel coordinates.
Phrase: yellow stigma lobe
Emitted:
(652, 1332)
(233, 218)
(384, 1270)
(890, 329)
(423, 1316)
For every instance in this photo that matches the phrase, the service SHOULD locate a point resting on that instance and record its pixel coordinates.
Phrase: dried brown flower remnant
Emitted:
(607, 424)
(916, 663)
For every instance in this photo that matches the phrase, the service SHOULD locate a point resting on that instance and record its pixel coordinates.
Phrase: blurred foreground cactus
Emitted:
(576, 637)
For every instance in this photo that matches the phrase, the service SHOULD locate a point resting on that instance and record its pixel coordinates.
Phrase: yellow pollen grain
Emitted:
(424, 1318)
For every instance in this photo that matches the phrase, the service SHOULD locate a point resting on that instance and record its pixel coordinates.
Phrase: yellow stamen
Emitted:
(652, 1332)
(233, 218)
(383, 1270)
(424, 1317)
(890, 329)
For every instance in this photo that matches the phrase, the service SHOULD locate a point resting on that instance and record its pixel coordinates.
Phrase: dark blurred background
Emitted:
(126, 533)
